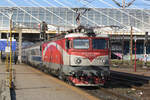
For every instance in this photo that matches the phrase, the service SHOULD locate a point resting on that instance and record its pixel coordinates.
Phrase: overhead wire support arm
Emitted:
(92, 7)
(75, 12)
(123, 4)
(124, 12)
(130, 3)
(117, 3)
(80, 13)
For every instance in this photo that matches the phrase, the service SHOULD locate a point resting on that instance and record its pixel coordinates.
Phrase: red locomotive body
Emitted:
(79, 59)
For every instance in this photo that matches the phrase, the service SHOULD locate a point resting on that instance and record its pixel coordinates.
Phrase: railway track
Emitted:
(124, 86)
(110, 92)
(135, 82)
(130, 78)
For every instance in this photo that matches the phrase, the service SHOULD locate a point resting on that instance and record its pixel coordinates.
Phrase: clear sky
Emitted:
(74, 3)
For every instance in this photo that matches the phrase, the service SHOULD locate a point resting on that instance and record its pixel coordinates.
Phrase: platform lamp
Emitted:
(135, 39)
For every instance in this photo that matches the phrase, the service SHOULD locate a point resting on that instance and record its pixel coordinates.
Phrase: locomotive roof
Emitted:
(84, 35)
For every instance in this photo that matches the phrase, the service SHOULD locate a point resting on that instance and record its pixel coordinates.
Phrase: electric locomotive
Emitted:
(78, 58)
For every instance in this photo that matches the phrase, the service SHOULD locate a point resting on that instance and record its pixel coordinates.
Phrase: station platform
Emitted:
(32, 84)
(2, 72)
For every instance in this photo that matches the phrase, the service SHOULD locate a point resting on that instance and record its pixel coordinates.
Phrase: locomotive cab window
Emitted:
(81, 43)
(99, 44)
(67, 44)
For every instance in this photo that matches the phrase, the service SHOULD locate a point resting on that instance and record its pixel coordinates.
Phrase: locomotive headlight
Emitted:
(78, 60)
(103, 61)
(72, 73)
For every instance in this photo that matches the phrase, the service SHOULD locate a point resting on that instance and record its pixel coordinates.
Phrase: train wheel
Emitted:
(60, 77)
(69, 82)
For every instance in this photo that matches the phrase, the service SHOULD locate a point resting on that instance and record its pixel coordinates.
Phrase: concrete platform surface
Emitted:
(2, 71)
(31, 84)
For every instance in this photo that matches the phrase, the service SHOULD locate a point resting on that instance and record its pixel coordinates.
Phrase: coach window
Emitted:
(32, 52)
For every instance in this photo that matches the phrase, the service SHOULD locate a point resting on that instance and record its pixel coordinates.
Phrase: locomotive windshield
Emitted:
(81, 43)
(99, 44)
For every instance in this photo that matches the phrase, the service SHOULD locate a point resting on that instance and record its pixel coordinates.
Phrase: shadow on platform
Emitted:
(33, 88)
(13, 93)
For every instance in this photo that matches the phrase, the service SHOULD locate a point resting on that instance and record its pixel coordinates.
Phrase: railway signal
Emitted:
(43, 29)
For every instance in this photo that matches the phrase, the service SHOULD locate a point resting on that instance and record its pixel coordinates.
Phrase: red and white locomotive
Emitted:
(78, 58)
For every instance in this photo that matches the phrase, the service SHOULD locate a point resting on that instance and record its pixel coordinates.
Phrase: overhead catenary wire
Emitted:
(124, 5)
(32, 4)
(122, 23)
(38, 20)
(93, 21)
(82, 15)
(88, 2)
(6, 15)
(122, 11)
(52, 12)
(68, 3)
(146, 2)
(141, 9)
(49, 3)
(92, 7)
(133, 6)
(75, 12)
(63, 6)
(70, 8)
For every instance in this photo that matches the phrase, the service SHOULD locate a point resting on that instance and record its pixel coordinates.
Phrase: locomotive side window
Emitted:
(99, 44)
(81, 43)
(67, 44)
